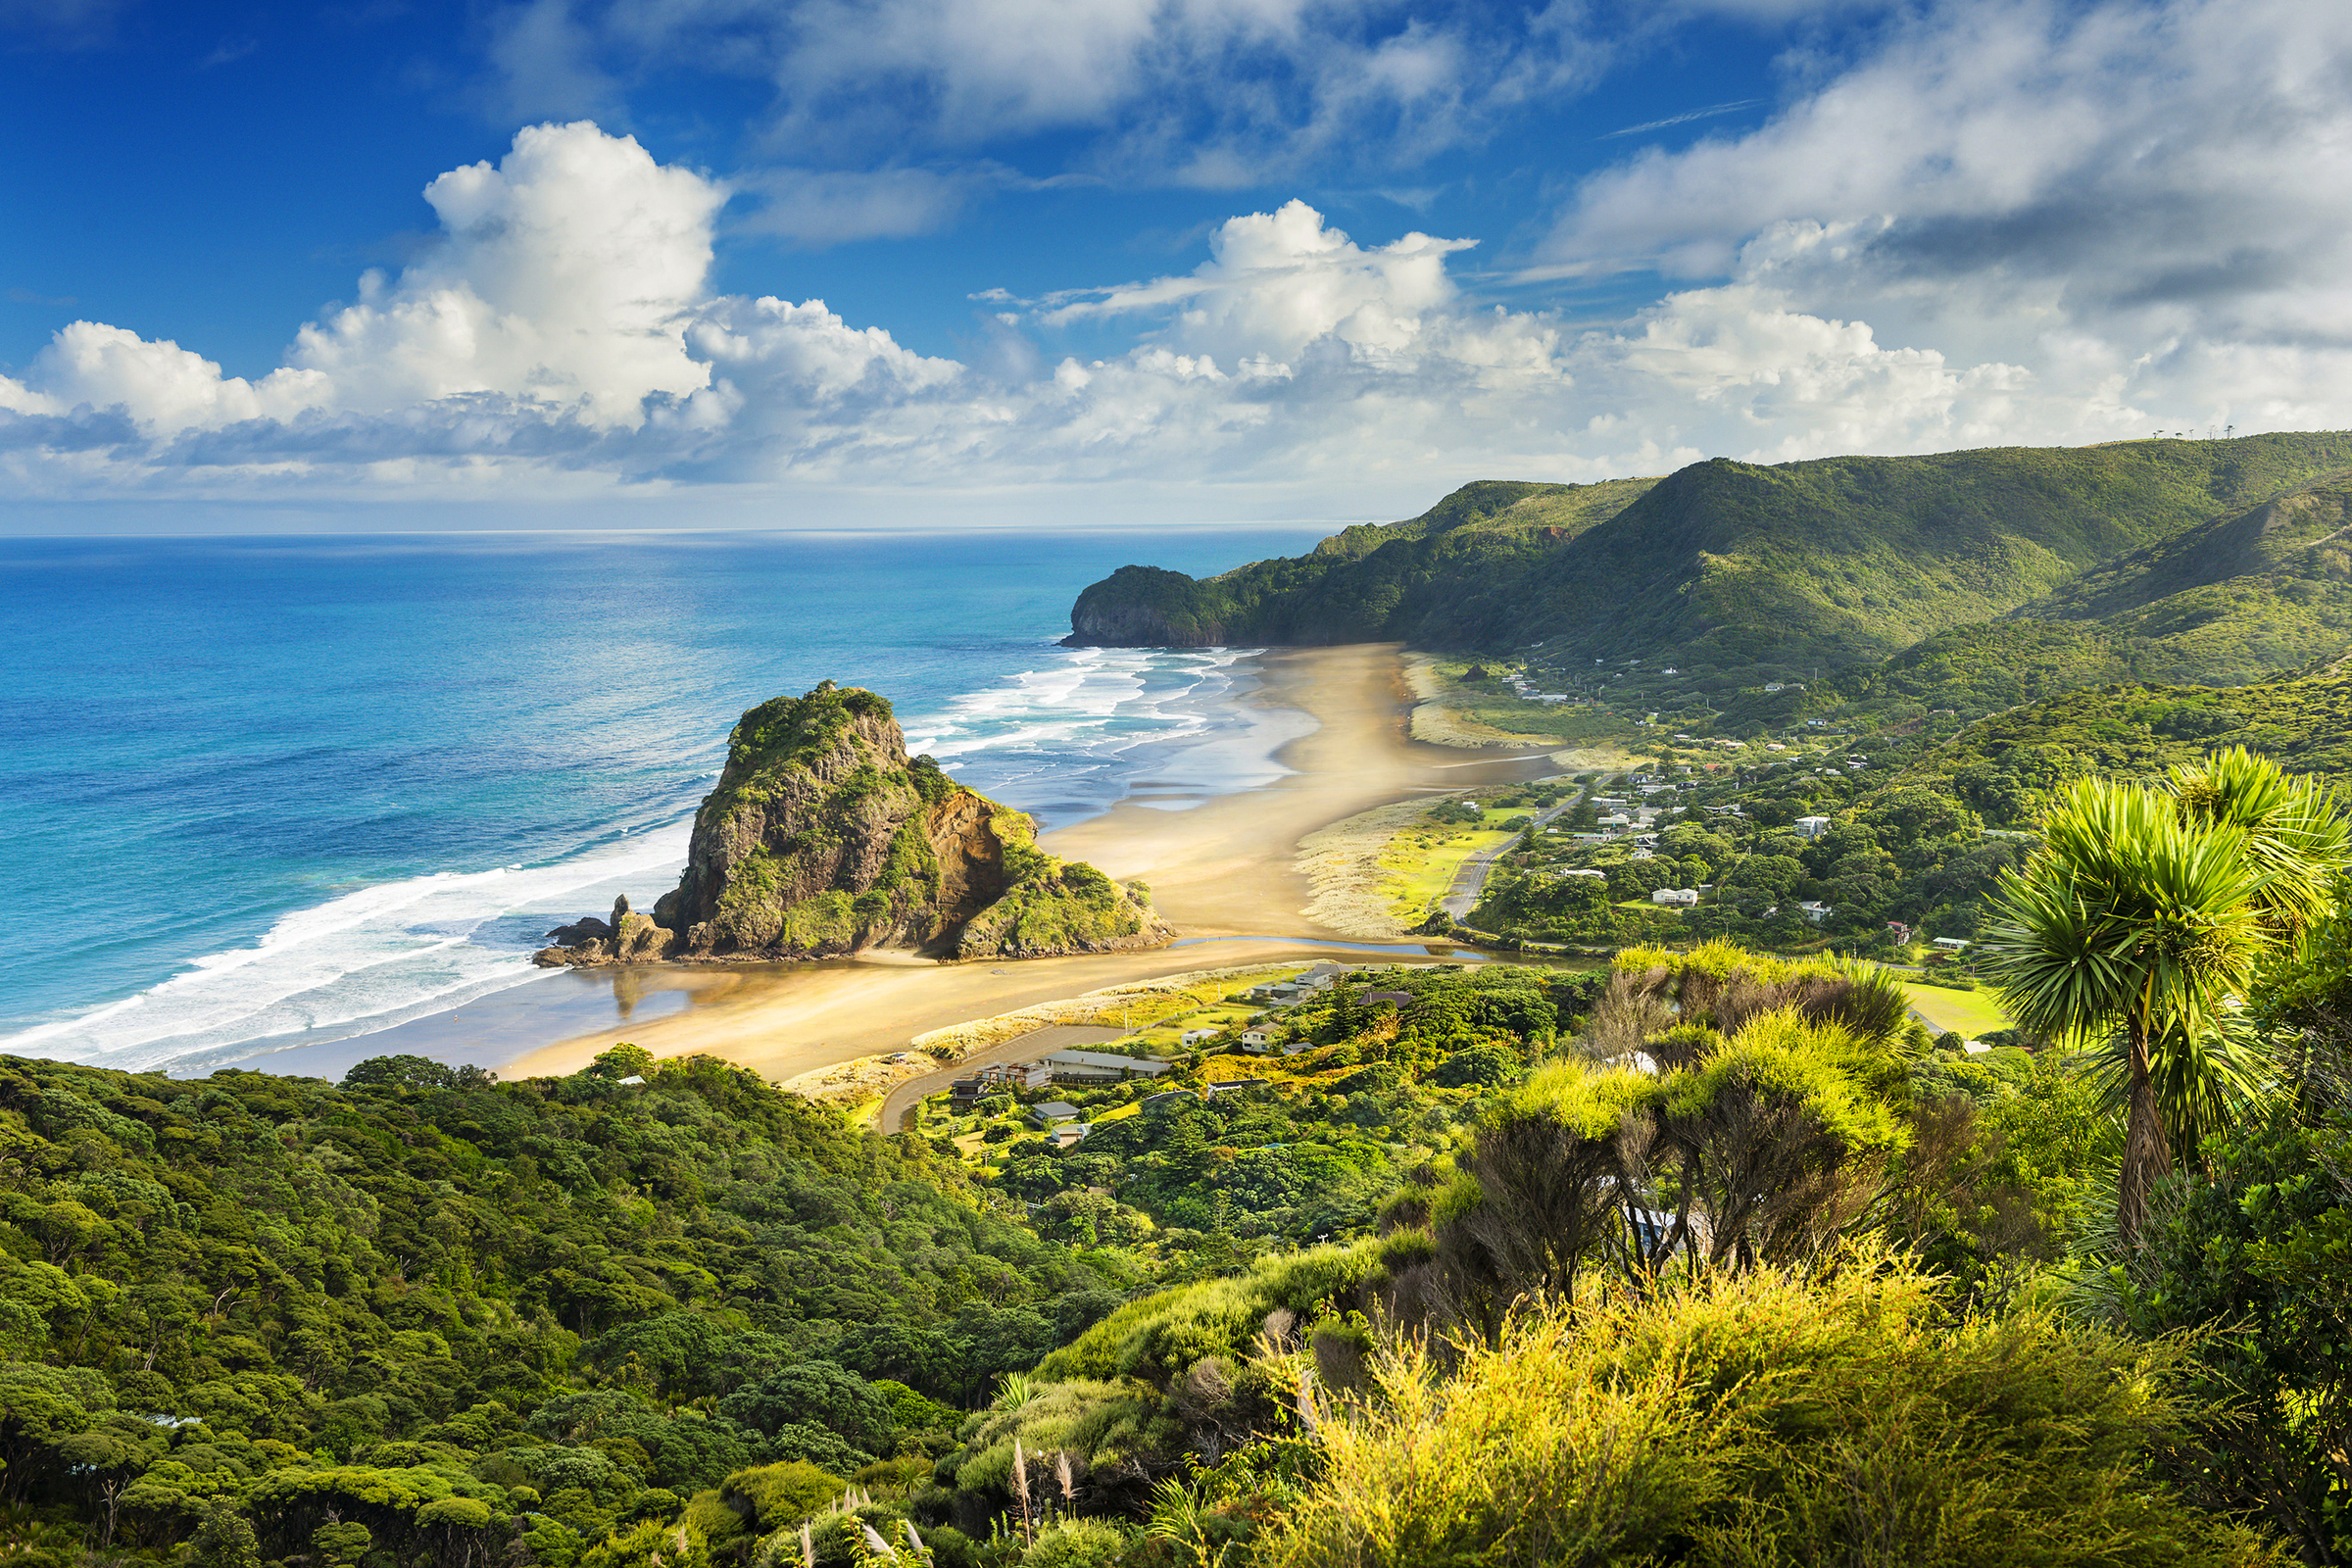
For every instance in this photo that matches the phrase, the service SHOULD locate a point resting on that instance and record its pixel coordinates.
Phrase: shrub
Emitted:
(779, 1495)
(1761, 1420)
(1076, 1544)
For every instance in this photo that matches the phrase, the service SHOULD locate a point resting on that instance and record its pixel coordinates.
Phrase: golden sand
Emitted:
(1225, 871)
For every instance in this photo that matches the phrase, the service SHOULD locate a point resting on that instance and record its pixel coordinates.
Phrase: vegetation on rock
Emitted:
(822, 836)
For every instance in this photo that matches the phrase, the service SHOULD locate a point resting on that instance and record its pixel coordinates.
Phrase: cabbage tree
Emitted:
(2140, 922)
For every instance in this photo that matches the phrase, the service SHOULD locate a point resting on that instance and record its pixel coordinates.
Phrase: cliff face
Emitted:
(823, 837)
(1151, 606)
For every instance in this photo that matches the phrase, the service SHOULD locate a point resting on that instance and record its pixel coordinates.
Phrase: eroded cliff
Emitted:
(824, 837)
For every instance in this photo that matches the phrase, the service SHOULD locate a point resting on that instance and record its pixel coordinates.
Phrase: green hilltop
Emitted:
(2184, 550)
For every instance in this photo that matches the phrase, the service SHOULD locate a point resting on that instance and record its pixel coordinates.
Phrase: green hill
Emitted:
(2127, 729)
(1360, 584)
(2240, 600)
(1839, 562)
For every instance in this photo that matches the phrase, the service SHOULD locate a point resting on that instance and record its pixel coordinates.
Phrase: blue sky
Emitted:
(380, 264)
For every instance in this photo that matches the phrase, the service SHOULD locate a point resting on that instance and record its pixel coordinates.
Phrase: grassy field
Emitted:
(1966, 1012)
(1420, 863)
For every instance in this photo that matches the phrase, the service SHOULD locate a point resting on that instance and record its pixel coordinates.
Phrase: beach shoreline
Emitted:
(1227, 872)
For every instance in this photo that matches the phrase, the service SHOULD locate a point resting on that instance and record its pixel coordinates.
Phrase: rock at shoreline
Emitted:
(1148, 607)
(823, 837)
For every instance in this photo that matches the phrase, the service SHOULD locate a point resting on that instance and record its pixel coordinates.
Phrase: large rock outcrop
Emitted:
(824, 837)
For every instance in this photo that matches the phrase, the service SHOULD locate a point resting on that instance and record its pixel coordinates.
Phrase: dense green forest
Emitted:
(1705, 1257)
(427, 1316)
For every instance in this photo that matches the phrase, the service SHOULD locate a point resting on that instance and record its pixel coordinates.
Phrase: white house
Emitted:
(1814, 911)
(1194, 1037)
(1952, 945)
(1258, 1040)
(1812, 827)
(1683, 896)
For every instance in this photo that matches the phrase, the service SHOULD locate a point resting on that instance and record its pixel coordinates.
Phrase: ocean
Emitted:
(261, 794)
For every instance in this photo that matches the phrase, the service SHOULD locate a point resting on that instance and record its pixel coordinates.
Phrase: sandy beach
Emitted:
(1225, 872)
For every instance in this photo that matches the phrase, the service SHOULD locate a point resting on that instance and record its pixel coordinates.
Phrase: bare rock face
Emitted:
(823, 837)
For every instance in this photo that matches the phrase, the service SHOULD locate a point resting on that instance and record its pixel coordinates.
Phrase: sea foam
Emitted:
(1071, 737)
(365, 961)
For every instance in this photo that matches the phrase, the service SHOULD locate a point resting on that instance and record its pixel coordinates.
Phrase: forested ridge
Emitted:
(464, 1314)
(2181, 550)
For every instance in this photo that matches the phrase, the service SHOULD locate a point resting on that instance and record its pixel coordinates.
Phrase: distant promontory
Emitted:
(823, 837)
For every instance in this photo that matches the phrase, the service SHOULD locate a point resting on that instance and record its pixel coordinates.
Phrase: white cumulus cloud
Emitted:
(2150, 204)
(2007, 221)
(566, 277)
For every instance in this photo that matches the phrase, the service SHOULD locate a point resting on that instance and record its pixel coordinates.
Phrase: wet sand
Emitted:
(1223, 872)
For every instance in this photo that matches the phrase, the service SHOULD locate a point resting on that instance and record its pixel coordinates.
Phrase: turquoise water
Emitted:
(256, 792)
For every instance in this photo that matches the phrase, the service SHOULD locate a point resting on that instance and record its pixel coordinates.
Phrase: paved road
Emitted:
(1471, 879)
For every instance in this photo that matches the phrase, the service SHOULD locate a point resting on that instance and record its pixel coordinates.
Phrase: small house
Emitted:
(1814, 910)
(1102, 1067)
(1681, 896)
(1194, 1037)
(1258, 1040)
(1812, 827)
(1950, 945)
(1053, 1112)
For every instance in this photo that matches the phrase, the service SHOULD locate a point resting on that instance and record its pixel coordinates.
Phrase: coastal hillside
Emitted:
(425, 1319)
(1359, 585)
(1725, 566)
(823, 837)
(1702, 1247)
(2264, 590)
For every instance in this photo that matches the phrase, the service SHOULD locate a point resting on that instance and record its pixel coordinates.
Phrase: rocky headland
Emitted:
(824, 838)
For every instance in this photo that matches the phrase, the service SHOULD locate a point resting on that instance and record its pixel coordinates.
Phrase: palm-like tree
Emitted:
(2295, 834)
(2143, 918)
(2129, 924)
